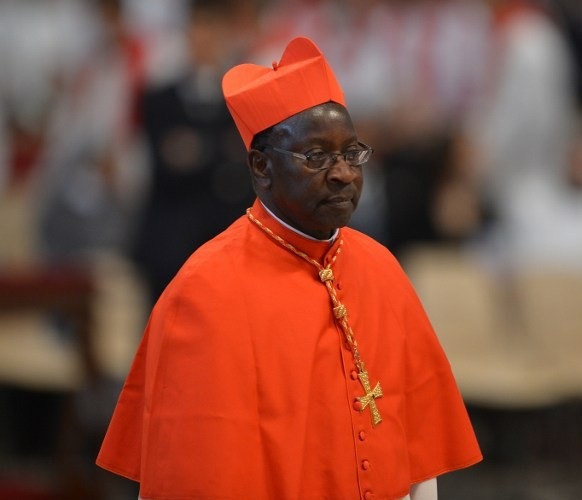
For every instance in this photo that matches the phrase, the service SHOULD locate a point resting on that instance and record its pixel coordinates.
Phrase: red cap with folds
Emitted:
(260, 97)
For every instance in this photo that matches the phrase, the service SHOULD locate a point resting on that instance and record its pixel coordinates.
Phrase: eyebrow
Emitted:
(324, 143)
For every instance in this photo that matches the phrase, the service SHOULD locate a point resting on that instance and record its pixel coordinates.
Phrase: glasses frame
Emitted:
(330, 156)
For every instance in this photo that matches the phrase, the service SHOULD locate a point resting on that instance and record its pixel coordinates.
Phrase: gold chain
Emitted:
(340, 313)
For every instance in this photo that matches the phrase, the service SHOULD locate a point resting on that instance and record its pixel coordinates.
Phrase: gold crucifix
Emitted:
(369, 399)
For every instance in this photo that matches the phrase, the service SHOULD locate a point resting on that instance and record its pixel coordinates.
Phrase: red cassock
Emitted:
(243, 386)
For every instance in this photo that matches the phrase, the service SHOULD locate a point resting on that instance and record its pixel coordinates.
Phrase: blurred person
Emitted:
(91, 178)
(159, 25)
(198, 184)
(433, 60)
(568, 15)
(39, 48)
(252, 381)
(524, 131)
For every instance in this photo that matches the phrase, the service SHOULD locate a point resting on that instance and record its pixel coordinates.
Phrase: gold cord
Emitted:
(341, 315)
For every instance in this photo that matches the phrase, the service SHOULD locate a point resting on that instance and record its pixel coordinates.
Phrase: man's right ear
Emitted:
(260, 168)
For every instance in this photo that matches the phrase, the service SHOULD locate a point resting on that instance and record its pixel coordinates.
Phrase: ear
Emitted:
(260, 169)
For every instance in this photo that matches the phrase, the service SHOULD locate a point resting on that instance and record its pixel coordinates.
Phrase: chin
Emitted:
(344, 220)
(339, 222)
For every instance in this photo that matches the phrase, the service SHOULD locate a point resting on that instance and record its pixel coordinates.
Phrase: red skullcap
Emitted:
(260, 97)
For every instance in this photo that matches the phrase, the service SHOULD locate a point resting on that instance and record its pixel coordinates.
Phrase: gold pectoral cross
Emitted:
(369, 399)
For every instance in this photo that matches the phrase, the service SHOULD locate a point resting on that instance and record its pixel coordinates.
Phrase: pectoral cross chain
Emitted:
(341, 315)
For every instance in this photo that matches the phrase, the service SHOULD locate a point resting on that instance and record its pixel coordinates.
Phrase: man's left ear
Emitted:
(260, 168)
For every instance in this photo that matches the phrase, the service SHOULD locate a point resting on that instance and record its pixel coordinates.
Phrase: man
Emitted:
(253, 381)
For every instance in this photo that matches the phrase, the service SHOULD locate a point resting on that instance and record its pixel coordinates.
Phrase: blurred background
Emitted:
(118, 158)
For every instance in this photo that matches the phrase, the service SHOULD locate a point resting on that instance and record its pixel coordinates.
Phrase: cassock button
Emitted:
(362, 436)
(339, 285)
(357, 406)
(365, 464)
(368, 495)
(354, 375)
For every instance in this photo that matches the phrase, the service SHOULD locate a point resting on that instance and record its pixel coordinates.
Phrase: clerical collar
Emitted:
(300, 233)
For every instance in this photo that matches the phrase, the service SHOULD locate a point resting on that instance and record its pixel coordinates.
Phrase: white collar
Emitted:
(329, 240)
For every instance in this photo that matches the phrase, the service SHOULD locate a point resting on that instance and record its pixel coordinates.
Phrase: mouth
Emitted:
(338, 201)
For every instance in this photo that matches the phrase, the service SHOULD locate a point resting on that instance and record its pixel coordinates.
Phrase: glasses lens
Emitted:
(318, 160)
(354, 158)
(357, 157)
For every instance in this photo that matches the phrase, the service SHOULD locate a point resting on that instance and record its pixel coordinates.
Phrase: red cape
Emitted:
(243, 387)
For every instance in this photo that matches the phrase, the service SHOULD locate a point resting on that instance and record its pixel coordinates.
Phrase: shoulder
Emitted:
(223, 262)
(219, 253)
(210, 277)
(367, 247)
(375, 263)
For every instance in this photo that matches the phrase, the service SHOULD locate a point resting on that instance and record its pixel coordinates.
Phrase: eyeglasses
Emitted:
(321, 160)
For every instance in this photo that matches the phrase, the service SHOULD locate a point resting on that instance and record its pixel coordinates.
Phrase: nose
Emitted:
(341, 171)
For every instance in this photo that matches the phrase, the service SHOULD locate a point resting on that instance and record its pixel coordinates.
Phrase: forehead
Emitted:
(325, 122)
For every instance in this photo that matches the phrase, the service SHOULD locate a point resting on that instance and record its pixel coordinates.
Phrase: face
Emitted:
(314, 202)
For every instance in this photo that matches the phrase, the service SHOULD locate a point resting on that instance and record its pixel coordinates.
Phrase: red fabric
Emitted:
(243, 387)
(260, 97)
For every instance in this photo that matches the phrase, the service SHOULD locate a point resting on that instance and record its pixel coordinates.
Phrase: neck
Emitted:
(331, 239)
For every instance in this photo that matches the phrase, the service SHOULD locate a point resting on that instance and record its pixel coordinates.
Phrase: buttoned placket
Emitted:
(360, 420)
